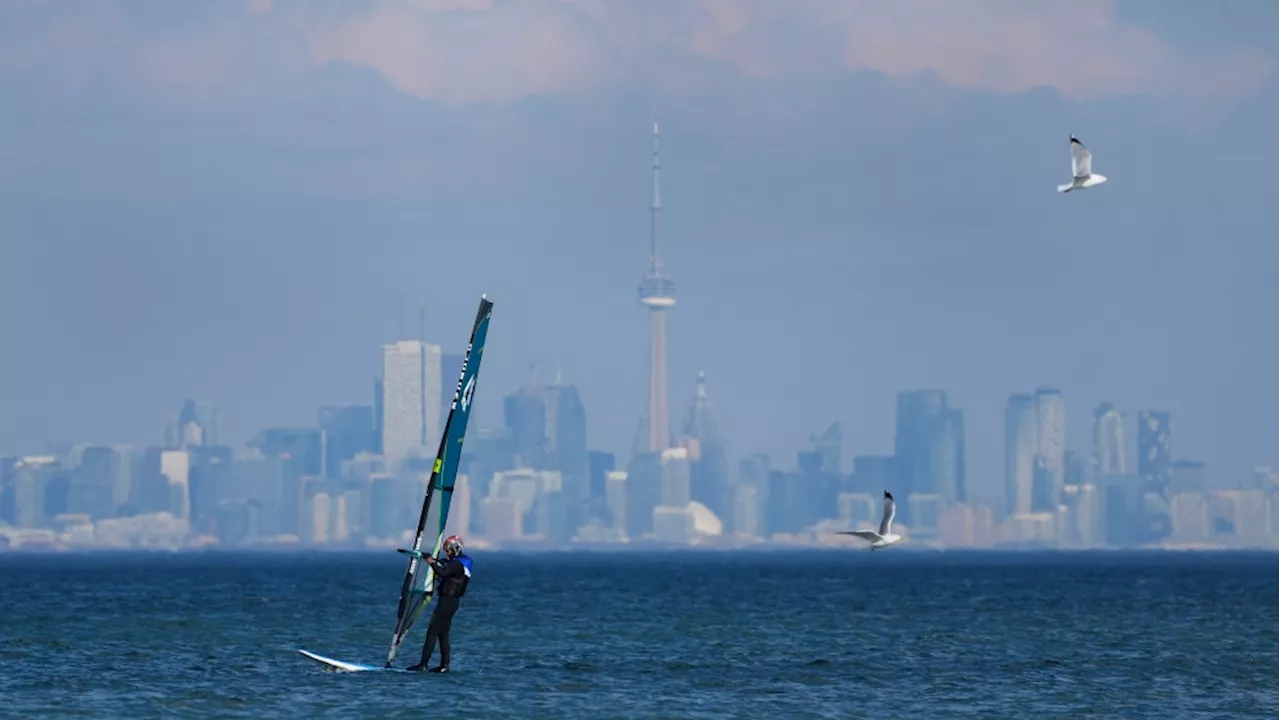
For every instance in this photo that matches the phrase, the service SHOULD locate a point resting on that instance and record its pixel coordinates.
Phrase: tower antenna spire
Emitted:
(655, 261)
(422, 320)
(402, 332)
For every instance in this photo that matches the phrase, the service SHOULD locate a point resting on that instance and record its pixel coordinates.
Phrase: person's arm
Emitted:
(447, 569)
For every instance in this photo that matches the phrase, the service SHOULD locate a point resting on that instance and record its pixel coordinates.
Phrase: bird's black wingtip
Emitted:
(887, 495)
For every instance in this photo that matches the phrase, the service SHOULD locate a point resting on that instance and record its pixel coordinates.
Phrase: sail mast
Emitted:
(417, 588)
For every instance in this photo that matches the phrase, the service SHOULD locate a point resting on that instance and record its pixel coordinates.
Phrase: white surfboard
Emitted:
(343, 666)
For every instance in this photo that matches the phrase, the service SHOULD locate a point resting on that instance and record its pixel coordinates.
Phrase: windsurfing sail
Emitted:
(419, 579)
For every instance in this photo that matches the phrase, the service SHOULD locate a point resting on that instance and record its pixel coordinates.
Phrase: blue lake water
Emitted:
(672, 635)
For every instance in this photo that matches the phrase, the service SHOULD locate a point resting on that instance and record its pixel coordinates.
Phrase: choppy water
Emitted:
(771, 635)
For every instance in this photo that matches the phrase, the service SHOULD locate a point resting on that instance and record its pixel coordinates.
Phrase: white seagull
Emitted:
(1082, 174)
(884, 538)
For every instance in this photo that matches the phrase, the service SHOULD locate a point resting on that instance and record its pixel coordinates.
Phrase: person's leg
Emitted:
(444, 648)
(443, 620)
(429, 646)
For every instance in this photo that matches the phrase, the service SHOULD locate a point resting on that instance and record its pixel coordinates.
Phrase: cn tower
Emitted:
(657, 292)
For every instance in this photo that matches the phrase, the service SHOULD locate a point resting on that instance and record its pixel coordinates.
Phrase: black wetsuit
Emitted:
(451, 584)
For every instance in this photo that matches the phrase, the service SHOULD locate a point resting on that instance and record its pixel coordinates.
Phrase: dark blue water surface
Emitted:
(687, 635)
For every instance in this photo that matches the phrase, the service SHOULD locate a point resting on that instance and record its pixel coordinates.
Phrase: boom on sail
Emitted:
(419, 579)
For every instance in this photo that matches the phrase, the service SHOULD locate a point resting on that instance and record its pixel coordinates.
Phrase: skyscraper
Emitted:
(1051, 430)
(753, 475)
(348, 431)
(675, 490)
(657, 292)
(946, 457)
(571, 446)
(1019, 453)
(92, 483)
(709, 473)
(525, 415)
(918, 413)
(830, 444)
(410, 399)
(377, 415)
(1108, 440)
(196, 424)
(548, 427)
(302, 456)
(599, 465)
(209, 481)
(928, 448)
(1154, 452)
(643, 492)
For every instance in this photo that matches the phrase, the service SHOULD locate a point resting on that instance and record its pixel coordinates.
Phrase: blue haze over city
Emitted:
(224, 226)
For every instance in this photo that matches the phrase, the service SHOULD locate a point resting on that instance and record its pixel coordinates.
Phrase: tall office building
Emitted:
(830, 444)
(599, 465)
(209, 481)
(1051, 433)
(675, 489)
(196, 424)
(377, 416)
(918, 414)
(301, 455)
(643, 492)
(548, 426)
(946, 454)
(92, 489)
(753, 473)
(568, 442)
(410, 399)
(348, 432)
(1154, 444)
(709, 472)
(1108, 440)
(1019, 453)
(175, 468)
(525, 415)
(928, 448)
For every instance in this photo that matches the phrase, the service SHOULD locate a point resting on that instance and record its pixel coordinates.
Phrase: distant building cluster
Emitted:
(357, 478)
(1067, 499)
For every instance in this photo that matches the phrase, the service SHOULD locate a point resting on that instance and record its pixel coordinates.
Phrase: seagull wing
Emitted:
(868, 535)
(1081, 160)
(885, 522)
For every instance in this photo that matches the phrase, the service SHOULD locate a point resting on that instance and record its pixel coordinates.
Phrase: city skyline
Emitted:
(537, 481)
(810, 291)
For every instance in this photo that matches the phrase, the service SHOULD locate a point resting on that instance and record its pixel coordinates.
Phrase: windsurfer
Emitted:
(453, 572)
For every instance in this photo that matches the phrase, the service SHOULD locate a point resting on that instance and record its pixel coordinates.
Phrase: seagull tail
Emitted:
(1066, 188)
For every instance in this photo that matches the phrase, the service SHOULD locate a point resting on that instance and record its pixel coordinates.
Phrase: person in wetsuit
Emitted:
(453, 572)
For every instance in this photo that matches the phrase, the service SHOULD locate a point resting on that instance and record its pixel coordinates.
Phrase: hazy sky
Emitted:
(228, 200)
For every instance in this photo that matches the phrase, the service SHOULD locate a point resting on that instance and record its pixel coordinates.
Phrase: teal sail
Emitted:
(419, 579)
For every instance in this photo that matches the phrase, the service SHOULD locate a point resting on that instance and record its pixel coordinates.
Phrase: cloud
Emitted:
(464, 51)
(1082, 50)
(459, 52)
(468, 50)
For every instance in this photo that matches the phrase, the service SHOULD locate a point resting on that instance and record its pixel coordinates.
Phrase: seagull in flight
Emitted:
(882, 538)
(1082, 174)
